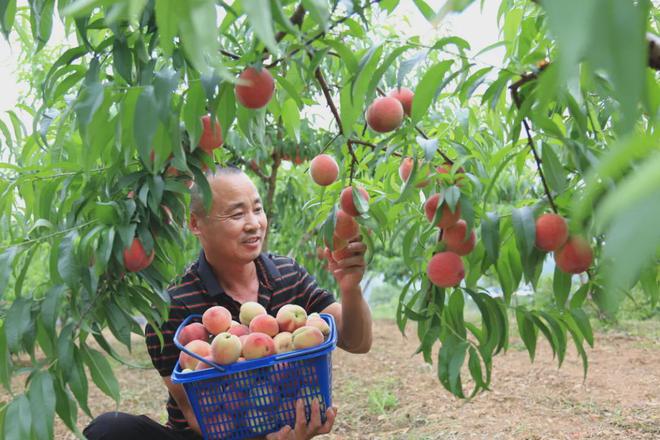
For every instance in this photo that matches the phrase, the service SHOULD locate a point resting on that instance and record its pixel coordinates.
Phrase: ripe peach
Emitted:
(257, 88)
(446, 167)
(324, 169)
(193, 331)
(455, 238)
(448, 218)
(226, 348)
(406, 168)
(315, 320)
(264, 324)
(345, 226)
(200, 348)
(211, 137)
(385, 114)
(307, 336)
(203, 365)
(575, 256)
(249, 310)
(551, 232)
(258, 345)
(216, 319)
(445, 269)
(291, 316)
(242, 338)
(283, 342)
(346, 200)
(405, 96)
(135, 257)
(238, 329)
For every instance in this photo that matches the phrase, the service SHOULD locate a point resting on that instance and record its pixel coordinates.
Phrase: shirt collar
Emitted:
(267, 273)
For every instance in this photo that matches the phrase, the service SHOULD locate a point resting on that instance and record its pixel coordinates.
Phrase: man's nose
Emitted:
(252, 221)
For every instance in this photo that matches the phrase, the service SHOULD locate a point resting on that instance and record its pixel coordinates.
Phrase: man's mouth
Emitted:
(252, 240)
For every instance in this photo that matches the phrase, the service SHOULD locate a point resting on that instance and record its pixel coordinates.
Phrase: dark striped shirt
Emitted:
(281, 281)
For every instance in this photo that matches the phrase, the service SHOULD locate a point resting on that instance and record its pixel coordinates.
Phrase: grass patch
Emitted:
(381, 398)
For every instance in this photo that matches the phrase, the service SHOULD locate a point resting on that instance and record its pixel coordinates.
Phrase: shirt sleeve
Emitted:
(313, 298)
(164, 357)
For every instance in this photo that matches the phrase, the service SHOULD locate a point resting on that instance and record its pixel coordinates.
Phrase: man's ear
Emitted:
(193, 224)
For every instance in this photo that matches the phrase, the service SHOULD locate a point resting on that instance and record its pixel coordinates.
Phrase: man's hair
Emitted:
(196, 196)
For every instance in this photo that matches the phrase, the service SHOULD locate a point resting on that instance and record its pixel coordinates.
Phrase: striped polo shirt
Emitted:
(281, 281)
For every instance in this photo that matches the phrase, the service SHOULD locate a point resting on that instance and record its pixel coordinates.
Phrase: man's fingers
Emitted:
(279, 435)
(301, 420)
(315, 420)
(330, 415)
(356, 261)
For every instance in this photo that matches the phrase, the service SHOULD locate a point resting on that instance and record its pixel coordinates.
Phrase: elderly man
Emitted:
(231, 270)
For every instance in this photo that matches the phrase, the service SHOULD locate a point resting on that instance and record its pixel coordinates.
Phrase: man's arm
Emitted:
(179, 393)
(352, 316)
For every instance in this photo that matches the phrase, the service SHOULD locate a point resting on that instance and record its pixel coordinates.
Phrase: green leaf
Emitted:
(193, 109)
(291, 119)
(527, 331)
(450, 359)
(6, 264)
(347, 56)
(524, 228)
(122, 59)
(554, 171)
(65, 407)
(89, 100)
(426, 89)
(145, 122)
(490, 235)
(261, 21)
(42, 403)
(65, 349)
(78, 381)
(650, 285)
(407, 65)
(579, 296)
(471, 84)
(20, 417)
(18, 322)
(5, 360)
(101, 372)
(319, 11)
(7, 16)
(50, 307)
(582, 320)
(199, 35)
(166, 19)
(561, 286)
(425, 9)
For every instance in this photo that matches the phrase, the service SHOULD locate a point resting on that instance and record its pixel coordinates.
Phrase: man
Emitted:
(231, 270)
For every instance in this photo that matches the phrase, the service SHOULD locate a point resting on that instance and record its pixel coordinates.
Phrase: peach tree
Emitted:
(469, 176)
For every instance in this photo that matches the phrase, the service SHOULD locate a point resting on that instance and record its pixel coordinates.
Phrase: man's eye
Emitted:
(258, 209)
(237, 215)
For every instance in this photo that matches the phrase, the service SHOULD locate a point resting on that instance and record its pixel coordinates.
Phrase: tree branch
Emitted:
(296, 20)
(328, 97)
(530, 142)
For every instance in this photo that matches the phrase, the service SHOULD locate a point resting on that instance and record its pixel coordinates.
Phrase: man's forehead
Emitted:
(229, 189)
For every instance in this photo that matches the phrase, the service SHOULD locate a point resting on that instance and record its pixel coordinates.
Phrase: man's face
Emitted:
(235, 227)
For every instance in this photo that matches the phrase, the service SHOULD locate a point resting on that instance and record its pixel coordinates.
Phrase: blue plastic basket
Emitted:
(258, 396)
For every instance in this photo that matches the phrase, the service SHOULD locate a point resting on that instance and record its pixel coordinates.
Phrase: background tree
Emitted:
(565, 124)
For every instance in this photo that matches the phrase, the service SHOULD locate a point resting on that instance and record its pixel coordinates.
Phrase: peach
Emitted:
(203, 365)
(291, 316)
(200, 348)
(226, 348)
(264, 324)
(406, 168)
(192, 332)
(347, 203)
(385, 114)
(446, 167)
(551, 232)
(283, 342)
(448, 218)
(575, 256)
(315, 320)
(211, 137)
(249, 310)
(238, 329)
(136, 258)
(445, 269)
(255, 88)
(216, 319)
(242, 338)
(306, 337)
(345, 226)
(405, 96)
(258, 345)
(324, 169)
(455, 238)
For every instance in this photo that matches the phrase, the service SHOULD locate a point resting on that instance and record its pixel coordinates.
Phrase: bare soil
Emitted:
(390, 393)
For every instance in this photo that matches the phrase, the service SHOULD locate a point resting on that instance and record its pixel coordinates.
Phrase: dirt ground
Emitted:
(391, 394)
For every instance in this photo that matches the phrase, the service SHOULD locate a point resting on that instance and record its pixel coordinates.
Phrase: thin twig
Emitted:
(296, 19)
(370, 145)
(328, 98)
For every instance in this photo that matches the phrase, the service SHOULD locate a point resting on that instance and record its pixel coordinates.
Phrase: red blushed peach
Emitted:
(291, 316)
(448, 218)
(249, 310)
(405, 96)
(211, 137)
(406, 168)
(256, 89)
(238, 329)
(200, 348)
(264, 324)
(575, 256)
(346, 200)
(445, 269)
(314, 320)
(226, 348)
(258, 345)
(345, 226)
(216, 319)
(385, 114)
(192, 332)
(306, 337)
(204, 365)
(324, 169)
(455, 238)
(283, 342)
(136, 258)
(551, 232)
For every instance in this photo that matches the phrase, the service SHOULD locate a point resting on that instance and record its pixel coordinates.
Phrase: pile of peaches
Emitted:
(224, 341)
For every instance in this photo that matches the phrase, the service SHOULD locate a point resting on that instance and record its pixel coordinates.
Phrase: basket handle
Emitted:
(185, 350)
